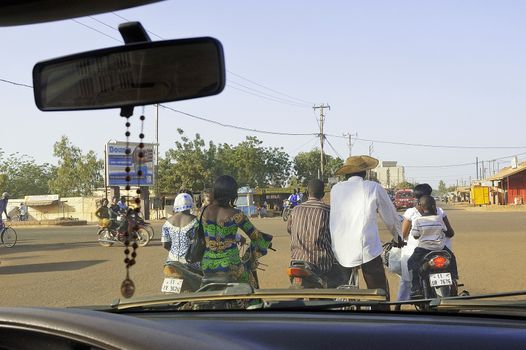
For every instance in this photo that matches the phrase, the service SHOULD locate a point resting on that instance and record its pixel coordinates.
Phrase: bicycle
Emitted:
(8, 236)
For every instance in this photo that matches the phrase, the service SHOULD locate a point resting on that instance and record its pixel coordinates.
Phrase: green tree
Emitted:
(404, 185)
(307, 164)
(77, 174)
(21, 176)
(189, 165)
(194, 165)
(442, 189)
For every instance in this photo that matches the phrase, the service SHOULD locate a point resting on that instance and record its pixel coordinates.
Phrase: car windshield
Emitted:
(382, 95)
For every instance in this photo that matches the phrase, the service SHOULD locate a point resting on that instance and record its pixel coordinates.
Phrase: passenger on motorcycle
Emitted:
(410, 214)
(310, 238)
(430, 232)
(103, 213)
(176, 234)
(221, 221)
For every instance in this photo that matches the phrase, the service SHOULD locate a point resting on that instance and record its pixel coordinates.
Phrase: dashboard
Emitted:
(31, 328)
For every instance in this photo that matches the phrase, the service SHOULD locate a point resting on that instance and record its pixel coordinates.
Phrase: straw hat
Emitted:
(357, 164)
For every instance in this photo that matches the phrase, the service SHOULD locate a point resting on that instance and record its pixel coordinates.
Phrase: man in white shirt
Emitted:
(353, 221)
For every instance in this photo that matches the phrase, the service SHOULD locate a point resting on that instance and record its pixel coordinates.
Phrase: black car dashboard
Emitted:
(32, 328)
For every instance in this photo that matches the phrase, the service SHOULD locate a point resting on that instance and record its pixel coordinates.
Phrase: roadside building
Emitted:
(509, 185)
(389, 174)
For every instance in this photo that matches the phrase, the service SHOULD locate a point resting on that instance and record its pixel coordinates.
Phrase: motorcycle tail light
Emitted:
(297, 272)
(439, 262)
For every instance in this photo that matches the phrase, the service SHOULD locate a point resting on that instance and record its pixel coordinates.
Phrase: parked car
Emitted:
(404, 199)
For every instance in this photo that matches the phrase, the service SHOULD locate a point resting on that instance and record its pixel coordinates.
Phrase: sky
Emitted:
(442, 73)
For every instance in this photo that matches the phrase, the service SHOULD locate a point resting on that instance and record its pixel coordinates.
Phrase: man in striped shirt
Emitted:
(308, 226)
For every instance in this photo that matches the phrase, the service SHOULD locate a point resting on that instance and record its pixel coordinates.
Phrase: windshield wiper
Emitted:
(242, 291)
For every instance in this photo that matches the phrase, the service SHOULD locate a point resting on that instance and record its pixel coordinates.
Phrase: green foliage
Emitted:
(442, 189)
(307, 164)
(77, 174)
(20, 175)
(194, 165)
(405, 185)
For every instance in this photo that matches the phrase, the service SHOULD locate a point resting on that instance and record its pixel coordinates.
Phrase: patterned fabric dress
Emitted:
(180, 241)
(222, 254)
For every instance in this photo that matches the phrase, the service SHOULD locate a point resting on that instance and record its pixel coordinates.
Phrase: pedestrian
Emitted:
(310, 237)
(23, 211)
(353, 221)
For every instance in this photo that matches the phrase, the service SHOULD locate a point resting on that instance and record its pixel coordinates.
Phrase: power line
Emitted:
(275, 91)
(429, 145)
(235, 126)
(464, 164)
(268, 97)
(127, 20)
(315, 138)
(15, 83)
(96, 30)
(237, 75)
(335, 151)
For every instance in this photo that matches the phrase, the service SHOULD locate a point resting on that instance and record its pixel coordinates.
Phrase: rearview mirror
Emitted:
(131, 75)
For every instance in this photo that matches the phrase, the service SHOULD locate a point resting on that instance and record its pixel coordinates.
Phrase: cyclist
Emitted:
(3, 207)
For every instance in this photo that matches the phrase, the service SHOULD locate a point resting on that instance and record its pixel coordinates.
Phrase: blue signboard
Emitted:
(117, 161)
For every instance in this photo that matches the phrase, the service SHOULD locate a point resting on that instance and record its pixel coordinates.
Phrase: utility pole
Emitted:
(322, 107)
(371, 148)
(349, 142)
(477, 166)
(157, 195)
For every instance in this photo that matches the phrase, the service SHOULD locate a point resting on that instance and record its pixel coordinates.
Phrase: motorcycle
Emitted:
(435, 275)
(179, 278)
(116, 231)
(286, 210)
(302, 275)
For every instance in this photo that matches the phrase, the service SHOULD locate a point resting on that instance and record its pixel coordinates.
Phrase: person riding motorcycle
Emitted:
(409, 216)
(431, 232)
(308, 226)
(221, 221)
(177, 232)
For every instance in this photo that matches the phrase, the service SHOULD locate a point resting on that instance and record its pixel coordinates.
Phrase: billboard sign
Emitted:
(117, 161)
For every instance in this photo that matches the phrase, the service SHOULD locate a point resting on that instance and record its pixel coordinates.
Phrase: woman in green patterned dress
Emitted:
(221, 221)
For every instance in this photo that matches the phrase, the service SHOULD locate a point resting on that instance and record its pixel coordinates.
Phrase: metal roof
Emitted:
(508, 171)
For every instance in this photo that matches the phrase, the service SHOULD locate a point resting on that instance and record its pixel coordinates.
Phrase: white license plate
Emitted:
(440, 279)
(172, 285)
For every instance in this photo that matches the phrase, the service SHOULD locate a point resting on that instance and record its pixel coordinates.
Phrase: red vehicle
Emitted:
(404, 199)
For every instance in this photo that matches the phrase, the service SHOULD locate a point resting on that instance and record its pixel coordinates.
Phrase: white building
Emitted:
(389, 174)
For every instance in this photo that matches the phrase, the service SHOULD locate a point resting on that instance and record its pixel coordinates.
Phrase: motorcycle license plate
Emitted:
(172, 285)
(440, 279)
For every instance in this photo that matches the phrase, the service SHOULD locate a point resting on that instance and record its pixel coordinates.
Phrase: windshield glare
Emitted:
(290, 178)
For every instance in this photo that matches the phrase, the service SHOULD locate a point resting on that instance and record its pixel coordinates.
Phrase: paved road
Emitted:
(65, 266)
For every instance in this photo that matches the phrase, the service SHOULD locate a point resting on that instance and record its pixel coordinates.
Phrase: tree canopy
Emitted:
(194, 164)
(77, 174)
(307, 164)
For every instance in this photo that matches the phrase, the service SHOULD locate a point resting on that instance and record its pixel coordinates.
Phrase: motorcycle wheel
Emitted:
(142, 237)
(104, 236)
(150, 230)
(285, 214)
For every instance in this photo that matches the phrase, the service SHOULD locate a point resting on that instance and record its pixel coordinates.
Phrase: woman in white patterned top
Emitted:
(178, 230)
